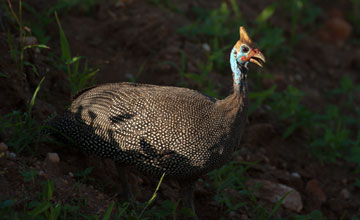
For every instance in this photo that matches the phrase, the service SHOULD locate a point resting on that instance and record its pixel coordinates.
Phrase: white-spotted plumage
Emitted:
(156, 129)
(163, 129)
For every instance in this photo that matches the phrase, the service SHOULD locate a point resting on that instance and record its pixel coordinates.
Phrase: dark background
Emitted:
(304, 119)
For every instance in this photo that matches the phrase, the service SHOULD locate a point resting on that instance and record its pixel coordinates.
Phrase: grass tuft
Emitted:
(79, 74)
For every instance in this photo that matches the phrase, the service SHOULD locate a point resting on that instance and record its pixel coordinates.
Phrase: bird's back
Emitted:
(154, 128)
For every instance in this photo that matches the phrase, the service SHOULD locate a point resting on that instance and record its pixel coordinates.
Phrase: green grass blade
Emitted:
(32, 102)
(235, 8)
(266, 14)
(26, 63)
(55, 212)
(278, 204)
(42, 207)
(36, 46)
(122, 210)
(108, 212)
(65, 48)
(153, 196)
(50, 189)
(3, 75)
(74, 60)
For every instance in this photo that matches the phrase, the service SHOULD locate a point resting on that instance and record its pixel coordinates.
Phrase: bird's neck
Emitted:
(239, 99)
(240, 83)
(236, 104)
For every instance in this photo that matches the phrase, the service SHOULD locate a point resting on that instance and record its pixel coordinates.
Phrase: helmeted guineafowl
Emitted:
(163, 129)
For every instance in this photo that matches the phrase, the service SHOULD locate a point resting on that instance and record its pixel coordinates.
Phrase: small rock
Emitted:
(336, 29)
(296, 180)
(53, 157)
(51, 165)
(345, 194)
(3, 147)
(71, 174)
(295, 175)
(10, 154)
(41, 173)
(206, 47)
(313, 187)
(273, 192)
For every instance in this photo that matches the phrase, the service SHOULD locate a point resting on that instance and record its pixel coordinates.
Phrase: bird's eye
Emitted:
(245, 49)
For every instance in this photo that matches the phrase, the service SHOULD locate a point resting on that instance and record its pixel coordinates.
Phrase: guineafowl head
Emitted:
(243, 53)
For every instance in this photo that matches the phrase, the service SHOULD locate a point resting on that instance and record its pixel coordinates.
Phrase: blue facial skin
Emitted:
(238, 66)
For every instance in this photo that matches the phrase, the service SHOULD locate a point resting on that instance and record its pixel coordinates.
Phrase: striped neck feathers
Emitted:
(239, 69)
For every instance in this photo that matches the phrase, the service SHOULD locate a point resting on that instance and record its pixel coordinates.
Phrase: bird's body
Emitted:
(163, 129)
(157, 129)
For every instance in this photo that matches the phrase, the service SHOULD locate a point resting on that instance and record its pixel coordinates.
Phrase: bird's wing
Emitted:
(143, 117)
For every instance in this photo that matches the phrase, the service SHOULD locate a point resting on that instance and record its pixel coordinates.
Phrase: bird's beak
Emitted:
(258, 58)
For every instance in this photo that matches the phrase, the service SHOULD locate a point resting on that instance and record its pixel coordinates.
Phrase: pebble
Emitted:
(296, 180)
(10, 154)
(336, 30)
(345, 194)
(41, 173)
(273, 192)
(53, 157)
(71, 174)
(295, 175)
(3, 147)
(206, 47)
(313, 187)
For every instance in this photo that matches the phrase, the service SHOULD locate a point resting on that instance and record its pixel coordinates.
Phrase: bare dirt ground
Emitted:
(119, 39)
